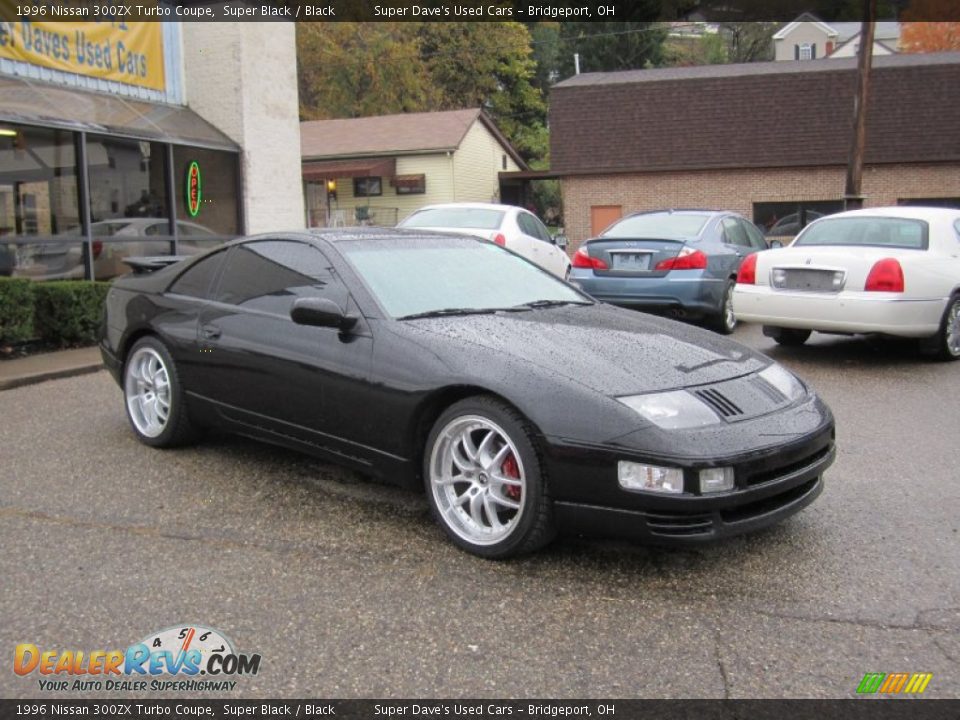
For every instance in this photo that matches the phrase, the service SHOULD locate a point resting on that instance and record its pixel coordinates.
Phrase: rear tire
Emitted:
(154, 398)
(484, 480)
(725, 322)
(945, 345)
(788, 337)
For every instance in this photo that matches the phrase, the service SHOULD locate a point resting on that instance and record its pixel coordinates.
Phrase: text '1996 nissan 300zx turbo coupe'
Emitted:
(518, 403)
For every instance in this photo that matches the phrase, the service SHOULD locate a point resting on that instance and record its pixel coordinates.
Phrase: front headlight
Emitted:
(673, 410)
(653, 478)
(784, 381)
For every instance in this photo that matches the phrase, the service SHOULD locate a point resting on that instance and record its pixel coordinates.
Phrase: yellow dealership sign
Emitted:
(126, 52)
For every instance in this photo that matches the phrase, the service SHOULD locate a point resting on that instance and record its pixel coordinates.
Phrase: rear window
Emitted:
(478, 218)
(658, 226)
(903, 233)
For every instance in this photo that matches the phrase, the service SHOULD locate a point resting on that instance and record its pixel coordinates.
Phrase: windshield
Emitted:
(410, 276)
(866, 231)
(659, 226)
(477, 218)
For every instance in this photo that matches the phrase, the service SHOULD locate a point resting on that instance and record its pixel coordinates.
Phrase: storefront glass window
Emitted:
(206, 200)
(39, 216)
(129, 211)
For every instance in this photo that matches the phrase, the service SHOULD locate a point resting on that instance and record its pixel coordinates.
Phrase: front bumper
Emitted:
(844, 312)
(771, 485)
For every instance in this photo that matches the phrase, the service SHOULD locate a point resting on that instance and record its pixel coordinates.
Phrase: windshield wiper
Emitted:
(551, 303)
(450, 312)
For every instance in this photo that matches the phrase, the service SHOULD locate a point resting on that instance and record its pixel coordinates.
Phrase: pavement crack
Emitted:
(875, 624)
(721, 667)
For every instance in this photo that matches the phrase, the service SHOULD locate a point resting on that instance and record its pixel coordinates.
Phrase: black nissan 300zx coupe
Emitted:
(520, 404)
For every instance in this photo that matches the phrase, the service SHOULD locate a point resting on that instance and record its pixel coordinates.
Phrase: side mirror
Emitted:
(560, 240)
(775, 244)
(321, 312)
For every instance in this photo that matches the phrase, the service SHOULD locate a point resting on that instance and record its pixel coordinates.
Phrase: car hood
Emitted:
(612, 351)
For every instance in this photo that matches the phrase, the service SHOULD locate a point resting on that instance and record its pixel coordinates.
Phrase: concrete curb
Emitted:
(39, 377)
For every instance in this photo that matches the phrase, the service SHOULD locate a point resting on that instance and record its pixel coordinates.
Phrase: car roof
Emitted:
(336, 235)
(470, 205)
(682, 211)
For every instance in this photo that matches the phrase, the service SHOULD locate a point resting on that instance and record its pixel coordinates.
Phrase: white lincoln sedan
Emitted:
(888, 271)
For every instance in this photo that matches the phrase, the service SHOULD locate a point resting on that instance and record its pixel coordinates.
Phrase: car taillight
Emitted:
(500, 240)
(686, 259)
(885, 276)
(747, 275)
(97, 248)
(582, 259)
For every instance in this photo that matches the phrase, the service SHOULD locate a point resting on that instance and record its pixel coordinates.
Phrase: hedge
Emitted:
(16, 310)
(61, 312)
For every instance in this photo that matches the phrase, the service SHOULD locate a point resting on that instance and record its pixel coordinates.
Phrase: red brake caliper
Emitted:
(510, 469)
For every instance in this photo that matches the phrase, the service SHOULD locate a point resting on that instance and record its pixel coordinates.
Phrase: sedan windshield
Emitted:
(658, 226)
(452, 276)
(866, 231)
(477, 218)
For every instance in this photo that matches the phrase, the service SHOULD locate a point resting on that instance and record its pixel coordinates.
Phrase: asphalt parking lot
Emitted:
(346, 588)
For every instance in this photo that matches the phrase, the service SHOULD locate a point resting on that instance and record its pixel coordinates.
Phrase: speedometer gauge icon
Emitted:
(181, 639)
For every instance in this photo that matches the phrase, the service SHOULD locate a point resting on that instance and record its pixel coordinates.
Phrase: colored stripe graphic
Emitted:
(894, 683)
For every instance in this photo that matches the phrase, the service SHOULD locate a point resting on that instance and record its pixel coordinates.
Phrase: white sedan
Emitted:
(889, 271)
(512, 227)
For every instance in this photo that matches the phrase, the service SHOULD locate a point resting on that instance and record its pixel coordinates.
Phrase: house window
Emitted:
(806, 51)
(410, 184)
(367, 187)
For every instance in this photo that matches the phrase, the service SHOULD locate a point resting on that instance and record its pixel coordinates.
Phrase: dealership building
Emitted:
(142, 138)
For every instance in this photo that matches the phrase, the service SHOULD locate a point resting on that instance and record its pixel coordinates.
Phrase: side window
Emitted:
(197, 281)
(733, 233)
(268, 275)
(757, 241)
(531, 226)
(956, 228)
(542, 231)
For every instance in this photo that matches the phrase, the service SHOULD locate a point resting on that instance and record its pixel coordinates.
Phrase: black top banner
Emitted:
(488, 709)
(463, 10)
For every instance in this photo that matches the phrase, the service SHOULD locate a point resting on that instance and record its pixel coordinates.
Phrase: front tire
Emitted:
(154, 397)
(484, 480)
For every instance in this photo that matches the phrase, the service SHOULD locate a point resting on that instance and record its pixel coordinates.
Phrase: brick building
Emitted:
(769, 140)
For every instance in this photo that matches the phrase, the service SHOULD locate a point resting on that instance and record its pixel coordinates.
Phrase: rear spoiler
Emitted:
(144, 265)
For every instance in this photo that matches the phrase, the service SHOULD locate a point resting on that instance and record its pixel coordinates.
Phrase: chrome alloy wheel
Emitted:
(147, 391)
(953, 329)
(477, 480)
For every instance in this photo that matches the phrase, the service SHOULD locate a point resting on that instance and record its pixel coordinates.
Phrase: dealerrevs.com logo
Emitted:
(189, 658)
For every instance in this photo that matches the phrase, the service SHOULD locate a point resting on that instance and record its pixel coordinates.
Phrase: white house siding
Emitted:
(242, 78)
(476, 165)
(803, 33)
(388, 208)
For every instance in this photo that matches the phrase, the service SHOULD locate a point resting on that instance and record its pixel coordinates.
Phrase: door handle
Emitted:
(210, 332)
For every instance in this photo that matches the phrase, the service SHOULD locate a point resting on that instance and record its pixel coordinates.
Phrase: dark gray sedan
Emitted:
(681, 262)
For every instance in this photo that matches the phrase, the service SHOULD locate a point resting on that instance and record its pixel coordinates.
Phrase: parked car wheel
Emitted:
(154, 396)
(788, 337)
(945, 345)
(484, 480)
(725, 322)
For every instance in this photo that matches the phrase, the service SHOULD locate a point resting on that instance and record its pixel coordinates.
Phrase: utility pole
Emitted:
(853, 195)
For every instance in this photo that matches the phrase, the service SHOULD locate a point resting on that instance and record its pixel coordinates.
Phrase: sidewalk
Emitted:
(48, 366)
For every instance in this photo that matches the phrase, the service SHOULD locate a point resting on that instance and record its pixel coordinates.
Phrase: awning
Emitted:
(332, 169)
(36, 103)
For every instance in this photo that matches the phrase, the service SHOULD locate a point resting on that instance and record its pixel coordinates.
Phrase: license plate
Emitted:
(631, 262)
(810, 280)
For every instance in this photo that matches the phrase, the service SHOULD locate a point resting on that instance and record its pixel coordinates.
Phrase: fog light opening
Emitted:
(649, 478)
(713, 480)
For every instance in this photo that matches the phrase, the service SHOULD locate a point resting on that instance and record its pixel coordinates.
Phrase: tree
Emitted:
(922, 37)
(488, 65)
(748, 41)
(357, 69)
